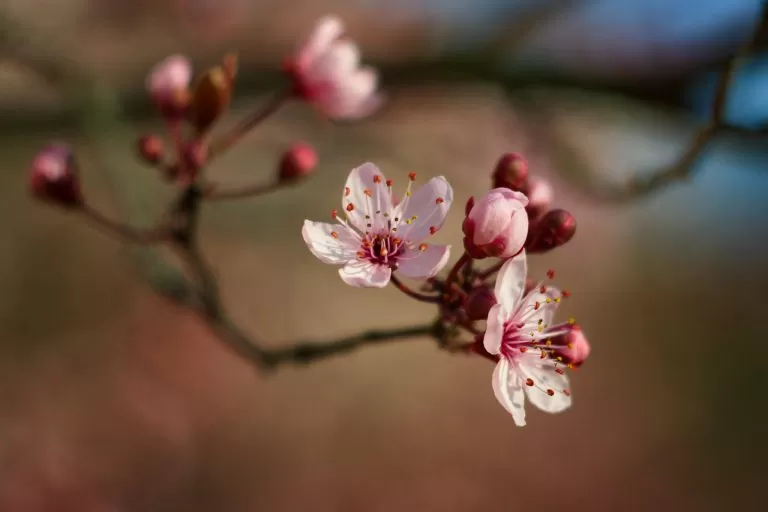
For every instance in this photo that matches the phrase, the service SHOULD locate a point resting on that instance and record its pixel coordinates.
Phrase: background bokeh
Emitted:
(113, 398)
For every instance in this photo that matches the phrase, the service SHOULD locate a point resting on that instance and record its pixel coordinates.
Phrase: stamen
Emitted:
(432, 230)
(350, 207)
(439, 200)
(566, 294)
(551, 274)
(367, 192)
(542, 289)
(560, 371)
(423, 247)
(376, 178)
(389, 183)
(571, 320)
(334, 234)
(529, 382)
(550, 392)
(334, 214)
(412, 176)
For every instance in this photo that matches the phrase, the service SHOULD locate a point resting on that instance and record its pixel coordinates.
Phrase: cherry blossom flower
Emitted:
(168, 83)
(326, 73)
(380, 235)
(533, 354)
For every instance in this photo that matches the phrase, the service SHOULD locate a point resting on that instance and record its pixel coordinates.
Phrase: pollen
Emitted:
(408, 221)
(566, 294)
(389, 183)
(347, 191)
(571, 320)
(412, 176)
(432, 230)
(570, 345)
(548, 301)
(334, 234)
(542, 289)
(537, 305)
(551, 392)
(376, 178)
(529, 381)
(551, 274)
(334, 214)
(423, 247)
(549, 343)
(557, 299)
(367, 192)
(439, 200)
(350, 207)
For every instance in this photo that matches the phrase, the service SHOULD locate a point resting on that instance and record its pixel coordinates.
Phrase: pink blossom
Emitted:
(53, 176)
(497, 225)
(379, 235)
(533, 353)
(326, 72)
(168, 78)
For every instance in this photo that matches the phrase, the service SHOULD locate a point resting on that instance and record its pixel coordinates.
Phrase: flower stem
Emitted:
(413, 294)
(465, 258)
(123, 231)
(247, 124)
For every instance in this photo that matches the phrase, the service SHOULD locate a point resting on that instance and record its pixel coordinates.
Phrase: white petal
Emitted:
(329, 249)
(378, 206)
(422, 265)
(336, 65)
(545, 377)
(349, 96)
(364, 274)
(508, 388)
(429, 204)
(510, 283)
(326, 31)
(494, 329)
(546, 311)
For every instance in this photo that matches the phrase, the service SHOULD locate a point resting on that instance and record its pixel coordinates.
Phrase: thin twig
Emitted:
(224, 142)
(123, 231)
(411, 293)
(213, 193)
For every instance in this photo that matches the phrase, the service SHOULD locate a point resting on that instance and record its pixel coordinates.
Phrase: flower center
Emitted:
(382, 249)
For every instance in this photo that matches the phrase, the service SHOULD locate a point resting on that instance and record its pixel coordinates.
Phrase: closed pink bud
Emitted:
(511, 172)
(297, 162)
(540, 195)
(496, 225)
(479, 302)
(53, 176)
(572, 347)
(553, 230)
(168, 83)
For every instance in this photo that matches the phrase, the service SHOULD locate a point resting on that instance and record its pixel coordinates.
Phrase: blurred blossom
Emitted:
(326, 73)
(380, 236)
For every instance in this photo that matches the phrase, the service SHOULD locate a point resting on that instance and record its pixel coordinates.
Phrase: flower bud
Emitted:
(151, 149)
(540, 195)
(297, 162)
(479, 302)
(168, 83)
(53, 176)
(572, 347)
(511, 172)
(469, 205)
(212, 94)
(553, 230)
(496, 225)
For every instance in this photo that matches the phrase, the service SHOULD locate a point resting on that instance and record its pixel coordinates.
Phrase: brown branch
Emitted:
(685, 166)
(411, 293)
(214, 193)
(123, 231)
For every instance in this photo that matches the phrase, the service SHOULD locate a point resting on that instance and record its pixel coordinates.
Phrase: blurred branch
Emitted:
(685, 166)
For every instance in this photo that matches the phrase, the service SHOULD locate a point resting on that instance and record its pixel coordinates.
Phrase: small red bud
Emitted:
(470, 204)
(151, 149)
(573, 346)
(511, 172)
(479, 302)
(297, 162)
(553, 230)
(53, 176)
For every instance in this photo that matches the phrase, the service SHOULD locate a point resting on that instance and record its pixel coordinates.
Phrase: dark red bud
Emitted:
(511, 172)
(556, 228)
(479, 302)
(53, 176)
(151, 149)
(470, 204)
(297, 162)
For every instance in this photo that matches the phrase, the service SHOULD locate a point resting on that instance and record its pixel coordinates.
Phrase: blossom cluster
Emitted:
(377, 235)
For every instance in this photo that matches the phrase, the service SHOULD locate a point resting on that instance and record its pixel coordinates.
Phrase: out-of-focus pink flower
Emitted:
(168, 83)
(326, 73)
(297, 162)
(53, 176)
(379, 236)
(540, 195)
(520, 332)
(496, 225)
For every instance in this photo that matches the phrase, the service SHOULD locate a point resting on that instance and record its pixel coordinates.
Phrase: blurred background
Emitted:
(113, 398)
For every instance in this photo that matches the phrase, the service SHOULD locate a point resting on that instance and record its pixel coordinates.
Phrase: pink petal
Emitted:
(172, 73)
(364, 274)
(336, 65)
(429, 204)
(494, 329)
(508, 388)
(545, 377)
(422, 265)
(491, 215)
(378, 206)
(510, 283)
(327, 248)
(326, 30)
(512, 195)
(350, 96)
(515, 233)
